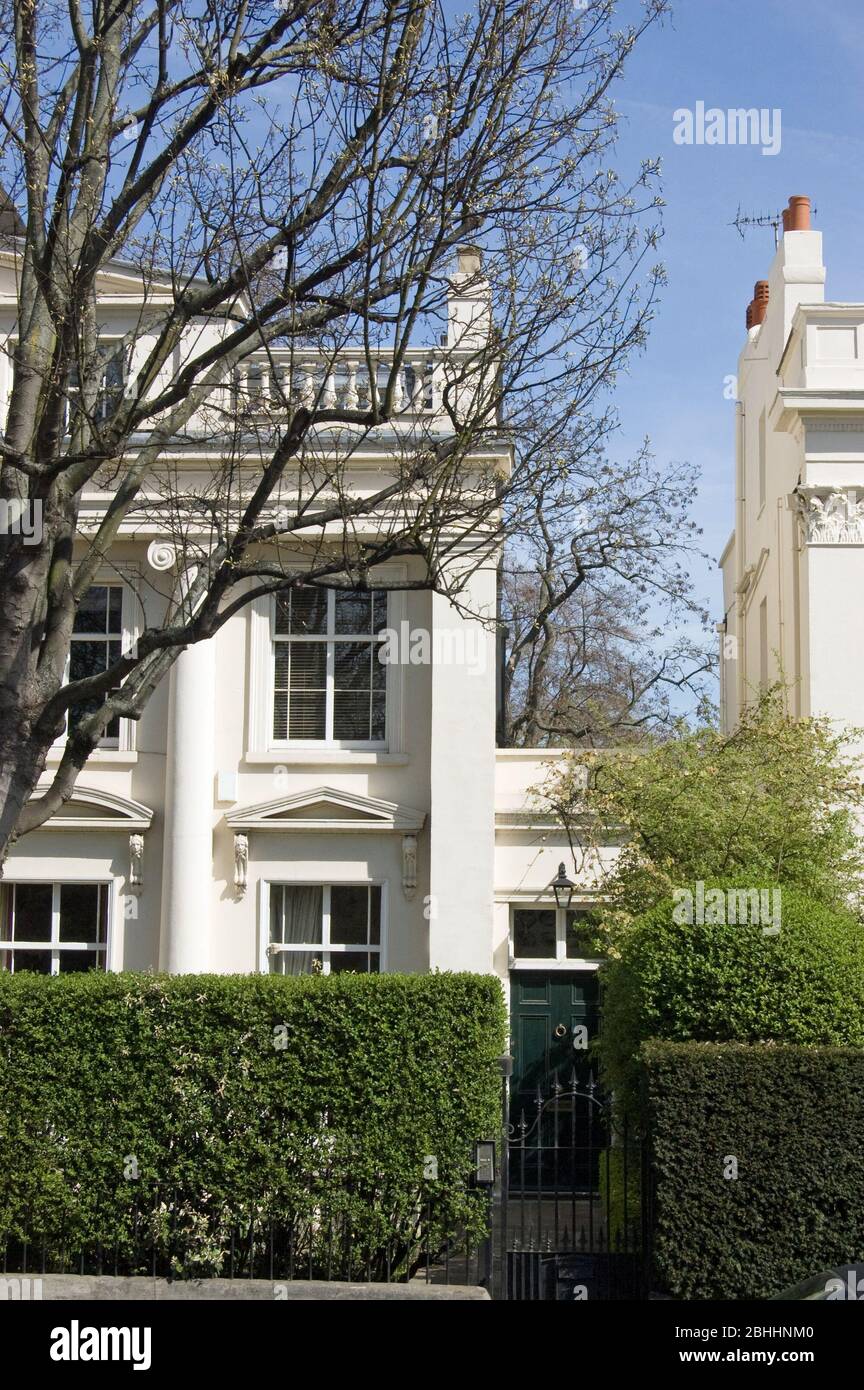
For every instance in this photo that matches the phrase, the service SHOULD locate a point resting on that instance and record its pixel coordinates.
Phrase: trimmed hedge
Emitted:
(793, 1118)
(728, 982)
(309, 1103)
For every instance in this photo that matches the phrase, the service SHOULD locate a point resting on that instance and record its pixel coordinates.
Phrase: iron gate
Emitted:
(574, 1193)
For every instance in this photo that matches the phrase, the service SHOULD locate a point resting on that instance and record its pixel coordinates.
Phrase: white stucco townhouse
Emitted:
(288, 802)
(793, 568)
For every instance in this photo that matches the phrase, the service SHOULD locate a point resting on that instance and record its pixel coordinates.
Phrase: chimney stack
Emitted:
(758, 306)
(796, 218)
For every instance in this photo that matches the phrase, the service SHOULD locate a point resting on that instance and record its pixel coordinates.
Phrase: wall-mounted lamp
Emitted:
(562, 887)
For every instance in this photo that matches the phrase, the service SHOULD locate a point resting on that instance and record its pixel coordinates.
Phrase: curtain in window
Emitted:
(296, 916)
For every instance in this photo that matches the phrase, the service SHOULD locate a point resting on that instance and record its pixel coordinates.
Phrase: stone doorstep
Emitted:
(115, 1288)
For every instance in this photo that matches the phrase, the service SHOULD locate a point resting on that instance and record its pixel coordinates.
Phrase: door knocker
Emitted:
(561, 1031)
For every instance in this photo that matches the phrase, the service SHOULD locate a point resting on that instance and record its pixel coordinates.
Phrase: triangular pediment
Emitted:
(91, 808)
(326, 808)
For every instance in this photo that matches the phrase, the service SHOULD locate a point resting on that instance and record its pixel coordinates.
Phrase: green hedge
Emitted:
(728, 982)
(244, 1103)
(793, 1118)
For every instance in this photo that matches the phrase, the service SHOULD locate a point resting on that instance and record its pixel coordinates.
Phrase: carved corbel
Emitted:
(241, 863)
(409, 865)
(136, 861)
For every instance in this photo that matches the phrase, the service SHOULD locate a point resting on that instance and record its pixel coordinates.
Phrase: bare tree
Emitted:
(289, 181)
(595, 577)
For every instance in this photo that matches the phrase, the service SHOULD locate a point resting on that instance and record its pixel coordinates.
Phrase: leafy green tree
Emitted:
(775, 802)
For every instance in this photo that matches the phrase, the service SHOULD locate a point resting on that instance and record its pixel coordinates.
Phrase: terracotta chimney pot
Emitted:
(799, 214)
(786, 220)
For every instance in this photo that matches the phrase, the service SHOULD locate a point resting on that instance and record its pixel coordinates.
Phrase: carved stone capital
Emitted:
(832, 516)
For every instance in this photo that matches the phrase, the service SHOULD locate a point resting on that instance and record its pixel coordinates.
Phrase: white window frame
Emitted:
(262, 665)
(122, 577)
(55, 946)
(329, 641)
(264, 953)
(560, 960)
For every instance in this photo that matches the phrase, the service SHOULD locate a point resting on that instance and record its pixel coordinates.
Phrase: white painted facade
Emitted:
(195, 819)
(793, 568)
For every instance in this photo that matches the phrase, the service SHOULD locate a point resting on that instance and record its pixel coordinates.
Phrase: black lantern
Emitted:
(563, 887)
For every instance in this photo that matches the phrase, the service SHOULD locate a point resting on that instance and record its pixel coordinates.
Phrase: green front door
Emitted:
(553, 1014)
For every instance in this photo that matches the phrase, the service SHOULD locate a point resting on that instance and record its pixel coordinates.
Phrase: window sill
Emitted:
(332, 757)
(118, 757)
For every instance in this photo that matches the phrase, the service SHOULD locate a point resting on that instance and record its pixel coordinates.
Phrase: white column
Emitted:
(187, 874)
(462, 816)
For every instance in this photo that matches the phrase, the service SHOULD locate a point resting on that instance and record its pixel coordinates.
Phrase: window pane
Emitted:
(351, 716)
(352, 712)
(534, 932)
(280, 715)
(115, 610)
(303, 610)
(80, 912)
(353, 612)
(380, 613)
(307, 665)
(33, 912)
(40, 961)
(76, 961)
(349, 916)
(301, 669)
(295, 963)
(343, 961)
(87, 658)
(375, 915)
(92, 614)
(580, 935)
(306, 716)
(353, 665)
(296, 918)
(302, 915)
(379, 717)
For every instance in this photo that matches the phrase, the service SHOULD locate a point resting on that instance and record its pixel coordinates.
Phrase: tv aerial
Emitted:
(744, 222)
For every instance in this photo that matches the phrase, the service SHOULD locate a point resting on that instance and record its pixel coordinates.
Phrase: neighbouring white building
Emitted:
(793, 568)
(251, 822)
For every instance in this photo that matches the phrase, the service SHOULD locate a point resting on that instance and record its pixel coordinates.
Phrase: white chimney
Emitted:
(469, 302)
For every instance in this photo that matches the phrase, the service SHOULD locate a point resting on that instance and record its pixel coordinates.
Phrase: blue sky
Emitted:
(808, 60)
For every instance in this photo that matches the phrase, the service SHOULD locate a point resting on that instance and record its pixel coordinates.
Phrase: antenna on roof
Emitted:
(744, 221)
